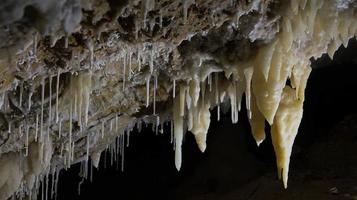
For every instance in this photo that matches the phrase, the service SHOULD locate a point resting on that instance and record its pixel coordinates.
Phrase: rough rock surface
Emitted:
(76, 75)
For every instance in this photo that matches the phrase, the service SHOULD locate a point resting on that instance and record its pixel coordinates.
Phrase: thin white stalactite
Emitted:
(60, 129)
(217, 97)
(72, 153)
(57, 92)
(111, 126)
(116, 123)
(148, 90)
(80, 103)
(87, 151)
(91, 53)
(127, 138)
(130, 60)
(36, 128)
(139, 59)
(155, 91)
(102, 129)
(152, 60)
(50, 104)
(174, 88)
(29, 101)
(66, 42)
(42, 102)
(70, 130)
(122, 151)
(27, 140)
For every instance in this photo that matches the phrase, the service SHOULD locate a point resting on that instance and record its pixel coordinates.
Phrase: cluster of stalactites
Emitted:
(308, 29)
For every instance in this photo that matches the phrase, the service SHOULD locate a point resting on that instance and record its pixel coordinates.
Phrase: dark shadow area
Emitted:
(323, 164)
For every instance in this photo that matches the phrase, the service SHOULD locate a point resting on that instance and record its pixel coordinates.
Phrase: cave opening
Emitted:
(323, 163)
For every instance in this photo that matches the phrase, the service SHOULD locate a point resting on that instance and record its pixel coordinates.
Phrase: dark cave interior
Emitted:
(323, 164)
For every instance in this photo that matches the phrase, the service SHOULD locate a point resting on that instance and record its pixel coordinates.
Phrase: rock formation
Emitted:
(78, 75)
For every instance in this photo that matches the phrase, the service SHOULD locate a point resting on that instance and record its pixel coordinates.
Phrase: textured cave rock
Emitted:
(77, 76)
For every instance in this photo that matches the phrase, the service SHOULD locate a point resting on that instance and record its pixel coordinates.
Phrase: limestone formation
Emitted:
(78, 75)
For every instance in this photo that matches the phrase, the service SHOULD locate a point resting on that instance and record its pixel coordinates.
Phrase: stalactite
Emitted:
(148, 90)
(50, 103)
(122, 151)
(174, 88)
(36, 128)
(102, 130)
(139, 59)
(178, 128)
(70, 131)
(152, 60)
(59, 129)
(116, 123)
(27, 140)
(57, 92)
(29, 100)
(42, 105)
(130, 60)
(155, 90)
